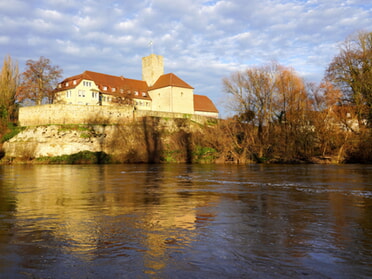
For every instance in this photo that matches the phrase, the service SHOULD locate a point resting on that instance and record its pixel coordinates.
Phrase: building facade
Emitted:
(156, 91)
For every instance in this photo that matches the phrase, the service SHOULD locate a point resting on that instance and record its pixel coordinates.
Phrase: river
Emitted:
(186, 221)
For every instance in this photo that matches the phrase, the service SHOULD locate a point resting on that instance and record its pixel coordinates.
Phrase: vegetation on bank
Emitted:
(156, 140)
(83, 157)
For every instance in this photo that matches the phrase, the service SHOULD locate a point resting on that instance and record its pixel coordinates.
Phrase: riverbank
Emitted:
(163, 140)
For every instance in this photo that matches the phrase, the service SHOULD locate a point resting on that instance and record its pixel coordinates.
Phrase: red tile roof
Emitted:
(123, 86)
(203, 103)
(170, 80)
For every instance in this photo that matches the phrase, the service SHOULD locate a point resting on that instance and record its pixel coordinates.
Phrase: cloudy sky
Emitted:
(202, 41)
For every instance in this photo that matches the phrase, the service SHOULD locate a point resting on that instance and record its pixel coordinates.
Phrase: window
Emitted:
(113, 89)
(136, 93)
(121, 90)
(59, 85)
(105, 88)
(66, 84)
(74, 82)
(144, 94)
(68, 94)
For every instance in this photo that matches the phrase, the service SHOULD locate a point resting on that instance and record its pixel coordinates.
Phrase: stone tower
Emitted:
(152, 68)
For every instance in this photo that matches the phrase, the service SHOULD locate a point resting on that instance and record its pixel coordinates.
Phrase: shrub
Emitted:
(83, 157)
(13, 131)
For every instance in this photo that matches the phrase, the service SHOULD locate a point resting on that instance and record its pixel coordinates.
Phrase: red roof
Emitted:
(170, 80)
(203, 103)
(106, 83)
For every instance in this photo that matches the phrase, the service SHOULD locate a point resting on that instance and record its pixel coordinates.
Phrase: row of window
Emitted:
(95, 95)
(105, 88)
(136, 93)
(141, 103)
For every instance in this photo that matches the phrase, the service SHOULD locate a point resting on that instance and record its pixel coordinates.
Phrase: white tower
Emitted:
(152, 68)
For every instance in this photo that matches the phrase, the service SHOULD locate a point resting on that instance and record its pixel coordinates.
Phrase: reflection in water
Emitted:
(146, 221)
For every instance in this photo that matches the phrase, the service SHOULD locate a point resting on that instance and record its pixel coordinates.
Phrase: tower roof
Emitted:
(170, 80)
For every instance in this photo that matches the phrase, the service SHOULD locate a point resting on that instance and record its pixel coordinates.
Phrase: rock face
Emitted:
(57, 140)
(146, 140)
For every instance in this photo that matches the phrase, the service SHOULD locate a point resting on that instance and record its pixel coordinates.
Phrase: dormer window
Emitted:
(67, 84)
(59, 85)
(74, 82)
(136, 93)
(144, 94)
(104, 88)
(113, 89)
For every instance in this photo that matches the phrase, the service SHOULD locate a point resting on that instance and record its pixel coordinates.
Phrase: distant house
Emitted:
(155, 92)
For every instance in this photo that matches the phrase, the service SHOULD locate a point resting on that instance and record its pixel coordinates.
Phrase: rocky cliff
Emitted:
(56, 140)
(148, 140)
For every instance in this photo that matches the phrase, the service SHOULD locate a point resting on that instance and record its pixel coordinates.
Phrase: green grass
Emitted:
(204, 154)
(83, 157)
(14, 130)
(74, 127)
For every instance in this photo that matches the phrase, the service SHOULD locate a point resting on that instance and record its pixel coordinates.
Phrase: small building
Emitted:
(155, 92)
(204, 106)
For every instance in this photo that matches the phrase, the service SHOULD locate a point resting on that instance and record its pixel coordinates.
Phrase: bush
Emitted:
(204, 154)
(83, 157)
(13, 131)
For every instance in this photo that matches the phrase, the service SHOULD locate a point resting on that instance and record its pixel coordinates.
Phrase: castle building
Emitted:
(155, 92)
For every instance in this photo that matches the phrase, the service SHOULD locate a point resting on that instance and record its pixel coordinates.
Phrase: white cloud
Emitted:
(12, 7)
(202, 41)
(4, 40)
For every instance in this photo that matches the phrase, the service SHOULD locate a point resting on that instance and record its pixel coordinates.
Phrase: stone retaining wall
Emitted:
(82, 114)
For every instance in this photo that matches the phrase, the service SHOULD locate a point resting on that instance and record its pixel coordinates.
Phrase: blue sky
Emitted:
(202, 41)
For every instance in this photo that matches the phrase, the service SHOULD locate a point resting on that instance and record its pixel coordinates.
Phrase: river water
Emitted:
(186, 221)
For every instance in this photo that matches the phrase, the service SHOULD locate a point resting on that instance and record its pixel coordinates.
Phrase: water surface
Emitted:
(186, 221)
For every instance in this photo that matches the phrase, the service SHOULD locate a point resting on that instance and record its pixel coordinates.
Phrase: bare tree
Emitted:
(8, 86)
(293, 109)
(351, 71)
(39, 81)
(253, 100)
